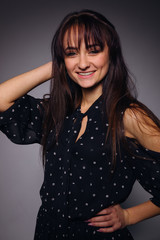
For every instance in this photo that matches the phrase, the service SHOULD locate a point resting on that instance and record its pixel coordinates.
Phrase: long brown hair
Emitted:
(119, 92)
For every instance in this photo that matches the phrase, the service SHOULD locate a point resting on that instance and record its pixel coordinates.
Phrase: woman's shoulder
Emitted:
(140, 125)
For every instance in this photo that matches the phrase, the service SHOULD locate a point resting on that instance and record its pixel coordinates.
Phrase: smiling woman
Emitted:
(97, 137)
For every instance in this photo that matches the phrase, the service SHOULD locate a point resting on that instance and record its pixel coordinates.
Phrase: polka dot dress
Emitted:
(78, 181)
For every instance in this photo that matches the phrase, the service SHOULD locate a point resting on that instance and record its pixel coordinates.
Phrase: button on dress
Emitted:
(78, 180)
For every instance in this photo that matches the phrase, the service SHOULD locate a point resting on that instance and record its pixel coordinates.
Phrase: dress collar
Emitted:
(96, 104)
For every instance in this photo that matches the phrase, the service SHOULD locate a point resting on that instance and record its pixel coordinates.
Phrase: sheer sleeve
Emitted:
(146, 167)
(22, 122)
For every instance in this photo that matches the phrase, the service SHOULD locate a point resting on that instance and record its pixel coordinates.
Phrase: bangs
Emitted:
(92, 33)
(92, 28)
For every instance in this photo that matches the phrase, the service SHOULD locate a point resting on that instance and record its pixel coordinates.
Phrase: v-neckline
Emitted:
(80, 116)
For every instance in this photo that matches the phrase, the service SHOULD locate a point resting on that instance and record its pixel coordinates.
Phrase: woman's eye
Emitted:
(70, 54)
(94, 51)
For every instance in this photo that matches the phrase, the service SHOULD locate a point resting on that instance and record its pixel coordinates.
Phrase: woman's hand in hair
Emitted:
(18, 86)
(110, 219)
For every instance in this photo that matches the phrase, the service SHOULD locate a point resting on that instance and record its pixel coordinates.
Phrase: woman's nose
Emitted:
(83, 62)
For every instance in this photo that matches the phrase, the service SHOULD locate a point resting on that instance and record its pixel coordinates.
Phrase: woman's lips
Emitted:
(86, 74)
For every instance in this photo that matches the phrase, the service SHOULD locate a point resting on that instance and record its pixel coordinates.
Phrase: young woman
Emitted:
(97, 137)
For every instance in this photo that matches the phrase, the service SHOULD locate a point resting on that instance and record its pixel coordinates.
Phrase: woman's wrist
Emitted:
(140, 212)
(126, 217)
(48, 71)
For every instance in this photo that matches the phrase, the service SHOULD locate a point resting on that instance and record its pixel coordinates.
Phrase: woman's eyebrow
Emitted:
(93, 45)
(76, 48)
(70, 48)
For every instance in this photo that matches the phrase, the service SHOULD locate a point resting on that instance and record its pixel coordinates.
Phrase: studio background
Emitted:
(26, 31)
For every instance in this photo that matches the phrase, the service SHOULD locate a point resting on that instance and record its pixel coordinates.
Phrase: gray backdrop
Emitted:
(26, 29)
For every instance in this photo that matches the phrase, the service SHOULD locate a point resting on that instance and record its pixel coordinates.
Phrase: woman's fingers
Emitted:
(109, 229)
(109, 219)
(101, 224)
(100, 218)
(103, 215)
(105, 211)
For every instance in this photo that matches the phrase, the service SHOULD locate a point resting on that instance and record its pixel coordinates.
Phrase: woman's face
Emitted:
(86, 67)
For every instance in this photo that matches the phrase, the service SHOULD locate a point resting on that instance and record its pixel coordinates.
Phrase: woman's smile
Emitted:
(84, 75)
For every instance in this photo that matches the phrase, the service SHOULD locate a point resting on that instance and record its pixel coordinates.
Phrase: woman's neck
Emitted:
(89, 96)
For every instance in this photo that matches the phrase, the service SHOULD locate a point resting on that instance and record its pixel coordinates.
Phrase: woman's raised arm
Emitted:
(18, 86)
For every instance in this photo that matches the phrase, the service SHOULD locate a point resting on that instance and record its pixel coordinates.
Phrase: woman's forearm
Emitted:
(16, 87)
(141, 212)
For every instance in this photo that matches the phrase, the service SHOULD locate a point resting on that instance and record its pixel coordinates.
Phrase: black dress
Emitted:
(78, 182)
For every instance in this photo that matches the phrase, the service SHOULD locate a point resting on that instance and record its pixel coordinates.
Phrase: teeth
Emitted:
(85, 74)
